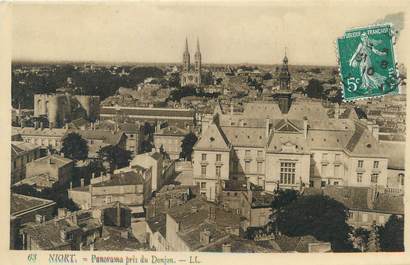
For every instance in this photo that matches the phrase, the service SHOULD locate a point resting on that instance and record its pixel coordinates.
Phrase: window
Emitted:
(359, 177)
(287, 172)
(374, 178)
(324, 170)
(108, 199)
(259, 153)
(14, 164)
(247, 166)
(336, 183)
(381, 219)
(203, 185)
(259, 167)
(337, 157)
(203, 157)
(401, 179)
(324, 157)
(218, 171)
(337, 171)
(364, 217)
(360, 163)
(375, 164)
(203, 170)
(247, 153)
(323, 183)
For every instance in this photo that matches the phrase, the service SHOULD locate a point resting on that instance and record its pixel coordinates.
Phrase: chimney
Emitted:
(62, 154)
(61, 212)
(337, 111)
(90, 188)
(41, 125)
(124, 234)
(212, 214)
(66, 126)
(39, 218)
(232, 111)
(226, 247)
(82, 182)
(204, 237)
(63, 234)
(267, 129)
(50, 161)
(92, 175)
(71, 185)
(118, 214)
(305, 127)
(74, 218)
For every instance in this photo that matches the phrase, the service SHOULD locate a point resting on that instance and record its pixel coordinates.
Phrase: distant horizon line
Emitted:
(31, 61)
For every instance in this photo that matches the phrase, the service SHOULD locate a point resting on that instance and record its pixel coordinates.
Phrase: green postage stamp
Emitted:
(367, 62)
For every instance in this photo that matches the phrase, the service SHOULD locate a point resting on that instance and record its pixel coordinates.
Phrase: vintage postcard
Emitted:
(204, 132)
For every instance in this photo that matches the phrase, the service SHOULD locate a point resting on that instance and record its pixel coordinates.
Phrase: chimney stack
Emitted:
(71, 185)
(226, 247)
(305, 127)
(82, 182)
(61, 212)
(232, 110)
(267, 129)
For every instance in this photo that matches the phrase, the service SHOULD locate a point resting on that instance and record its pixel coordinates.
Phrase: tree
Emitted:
(116, 156)
(267, 76)
(187, 145)
(361, 238)
(281, 199)
(314, 89)
(319, 216)
(392, 234)
(75, 147)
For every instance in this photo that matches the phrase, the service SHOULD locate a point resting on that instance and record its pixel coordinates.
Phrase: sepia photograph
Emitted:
(240, 127)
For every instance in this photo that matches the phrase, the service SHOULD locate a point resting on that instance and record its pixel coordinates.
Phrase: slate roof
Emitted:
(111, 240)
(295, 244)
(107, 137)
(186, 113)
(121, 179)
(395, 153)
(172, 131)
(158, 223)
(53, 159)
(55, 132)
(213, 138)
(19, 148)
(19, 204)
(360, 199)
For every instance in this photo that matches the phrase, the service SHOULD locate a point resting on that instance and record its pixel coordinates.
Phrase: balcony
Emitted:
(337, 162)
(376, 170)
(219, 163)
(360, 170)
(248, 158)
(324, 162)
(204, 162)
(260, 159)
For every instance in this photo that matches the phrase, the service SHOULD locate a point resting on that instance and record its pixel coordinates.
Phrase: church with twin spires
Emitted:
(191, 76)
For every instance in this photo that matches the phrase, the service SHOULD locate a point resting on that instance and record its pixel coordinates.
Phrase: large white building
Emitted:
(288, 144)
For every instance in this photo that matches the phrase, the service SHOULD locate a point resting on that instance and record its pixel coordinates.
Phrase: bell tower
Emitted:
(284, 75)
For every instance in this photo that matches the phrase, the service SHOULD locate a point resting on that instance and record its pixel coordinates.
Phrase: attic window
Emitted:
(337, 140)
(312, 139)
(368, 145)
(260, 137)
(211, 139)
(249, 137)
(236, 136)
(324, 139)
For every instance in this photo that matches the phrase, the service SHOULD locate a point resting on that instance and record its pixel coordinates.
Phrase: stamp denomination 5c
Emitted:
(367, 62)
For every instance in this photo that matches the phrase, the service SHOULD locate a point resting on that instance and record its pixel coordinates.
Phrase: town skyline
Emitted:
(255, 35)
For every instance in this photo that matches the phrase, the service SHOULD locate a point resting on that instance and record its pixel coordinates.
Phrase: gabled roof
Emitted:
(212, 139)
(20, 204)
(287, 143)
(53, 159)
(107, 137)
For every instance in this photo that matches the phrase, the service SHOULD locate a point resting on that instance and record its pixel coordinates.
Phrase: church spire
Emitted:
(186, 45)
(198, 57)
(186, 57)
(197, 45)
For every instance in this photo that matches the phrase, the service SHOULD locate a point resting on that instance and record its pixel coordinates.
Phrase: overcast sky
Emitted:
(137, 32)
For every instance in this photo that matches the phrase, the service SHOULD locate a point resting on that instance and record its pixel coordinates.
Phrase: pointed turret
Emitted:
(198, 57)
(186, 57)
